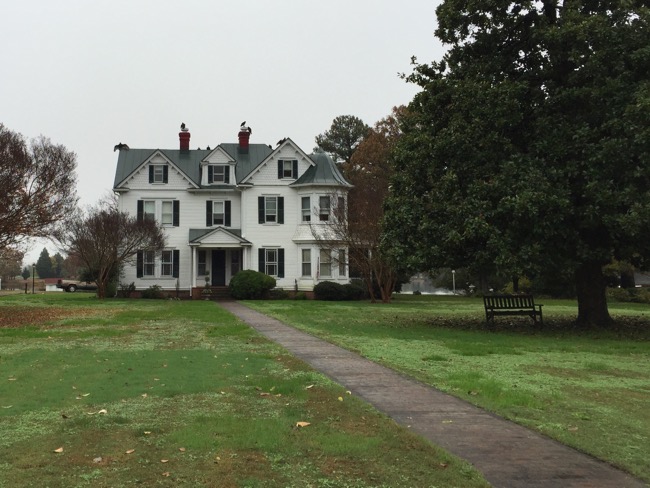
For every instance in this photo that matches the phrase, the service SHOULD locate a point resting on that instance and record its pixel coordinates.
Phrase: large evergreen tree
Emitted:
(44, 265)
(526, 150)
(343, 137)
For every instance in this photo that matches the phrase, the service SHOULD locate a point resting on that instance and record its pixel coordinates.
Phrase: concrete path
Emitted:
(507, 454)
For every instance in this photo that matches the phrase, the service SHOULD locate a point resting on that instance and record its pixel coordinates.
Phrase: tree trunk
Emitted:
(592, 299)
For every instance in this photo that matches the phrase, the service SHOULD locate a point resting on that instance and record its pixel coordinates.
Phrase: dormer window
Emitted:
(218, 173)
(287, 168)
(158, 173)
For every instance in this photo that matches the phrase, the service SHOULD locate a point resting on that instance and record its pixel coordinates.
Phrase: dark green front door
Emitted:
(219, 267)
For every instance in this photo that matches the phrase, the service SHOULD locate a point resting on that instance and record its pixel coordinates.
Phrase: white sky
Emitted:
(90, 74)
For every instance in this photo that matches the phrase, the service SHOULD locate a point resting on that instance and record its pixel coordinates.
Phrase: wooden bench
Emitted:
(511, 305)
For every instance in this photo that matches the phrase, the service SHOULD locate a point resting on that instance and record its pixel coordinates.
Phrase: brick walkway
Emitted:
(507, 454)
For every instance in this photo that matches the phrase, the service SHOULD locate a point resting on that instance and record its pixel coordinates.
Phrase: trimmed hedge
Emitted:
(331, 291)
(250, 285)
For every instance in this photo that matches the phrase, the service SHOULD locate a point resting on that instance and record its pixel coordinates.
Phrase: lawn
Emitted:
(589, 390)
(168, 393)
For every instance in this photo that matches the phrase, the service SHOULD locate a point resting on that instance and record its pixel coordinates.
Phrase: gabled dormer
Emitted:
(282, 166)
(218, 168)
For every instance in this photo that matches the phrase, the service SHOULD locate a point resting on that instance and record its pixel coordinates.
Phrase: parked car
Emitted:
(71, 285)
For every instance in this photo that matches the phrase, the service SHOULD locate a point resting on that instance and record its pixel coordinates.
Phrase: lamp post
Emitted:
(453, 281)
(33, 277)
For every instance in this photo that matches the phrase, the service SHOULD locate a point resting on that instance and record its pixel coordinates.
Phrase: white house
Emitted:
(237, 206)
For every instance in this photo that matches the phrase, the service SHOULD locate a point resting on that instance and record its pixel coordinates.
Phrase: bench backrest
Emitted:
(508, 301)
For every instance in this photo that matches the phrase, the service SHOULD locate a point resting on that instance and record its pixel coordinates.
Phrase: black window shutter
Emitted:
(177, 211)
(140, 210)
(208, 213)
(280, 263)
(280, 168)
(261, 256)
(210, 173)
(280, 210)
(226, 175)
(139, 264)
(295, 168)
(227, 212)
(165, 174)
(176, 254)
(260, 210)
(150, 173)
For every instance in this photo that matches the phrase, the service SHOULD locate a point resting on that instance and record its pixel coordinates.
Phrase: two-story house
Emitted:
(237, 206)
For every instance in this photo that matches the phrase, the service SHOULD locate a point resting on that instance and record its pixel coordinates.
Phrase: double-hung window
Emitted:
(167, 263)
(271, 209)
(149, 209)
(325, 262)
(202, 264)
(167, 215)
(158, 173)
(324, 208)
(306, 209)
(218, 213)
(288, 168)
(271, 262)
(149, 263)
(218, 173)
(306, 262)
(342, 262)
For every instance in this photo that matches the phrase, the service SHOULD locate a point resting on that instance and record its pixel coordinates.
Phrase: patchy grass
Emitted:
(587, 389)
(167, 393)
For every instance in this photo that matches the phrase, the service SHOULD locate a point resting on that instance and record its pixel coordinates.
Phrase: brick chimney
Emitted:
(244, 137)
(184, 138)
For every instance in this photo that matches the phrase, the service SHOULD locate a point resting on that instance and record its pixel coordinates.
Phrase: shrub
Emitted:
(279, 294)
(301, 295)
(331, 291)
(153, 292)
(250, 285)
(125, 291)
(634, 295)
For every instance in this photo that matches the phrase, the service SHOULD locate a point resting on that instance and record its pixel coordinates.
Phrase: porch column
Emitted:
(192, 268)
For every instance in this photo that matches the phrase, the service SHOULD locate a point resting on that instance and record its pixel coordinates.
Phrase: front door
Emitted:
(219, 267)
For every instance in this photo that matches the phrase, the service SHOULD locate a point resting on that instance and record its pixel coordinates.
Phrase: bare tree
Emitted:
(10, 263)
(359, 226)
(103, 239)
(37, 186)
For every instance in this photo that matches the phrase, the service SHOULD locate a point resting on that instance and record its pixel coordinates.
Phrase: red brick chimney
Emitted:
(244, 137)
(184, 138)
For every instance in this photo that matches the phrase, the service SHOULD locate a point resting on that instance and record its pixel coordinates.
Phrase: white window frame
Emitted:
(306, 210)
(305, 257)
(215, 214)
(167, 263)
(148, 264)
(149, 209)
(325, 264)
(287, 169)
(167, 218)
(219, 176)
(158, 173)
(324, 211)
(270, 213)
(201, 265)
(343, 264)
(271, 265)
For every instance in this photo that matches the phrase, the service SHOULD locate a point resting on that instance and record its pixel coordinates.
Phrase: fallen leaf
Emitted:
(572, 429)
(59, 450)
(144, 395)
(12, 379)
(443, 465)
(265, 394)
(182, 449)
(302, 424)
(147, 432)
(103, 411)
(166, 474)
(473, 393)
(164, 461)
(309, 387)
(348, 392)
(130, 451)
(9, 406)
(97, 460)
(340, 399)
(85, 394)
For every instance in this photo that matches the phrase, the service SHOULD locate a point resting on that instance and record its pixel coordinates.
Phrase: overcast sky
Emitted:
(90, 74)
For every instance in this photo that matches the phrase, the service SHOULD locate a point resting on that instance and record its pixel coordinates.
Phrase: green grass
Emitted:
(122, 386)
(587, 389)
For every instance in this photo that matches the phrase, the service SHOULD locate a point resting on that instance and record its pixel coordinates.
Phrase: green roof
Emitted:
(323, 173)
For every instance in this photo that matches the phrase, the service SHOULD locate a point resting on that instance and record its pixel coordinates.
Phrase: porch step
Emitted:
(216, 293)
